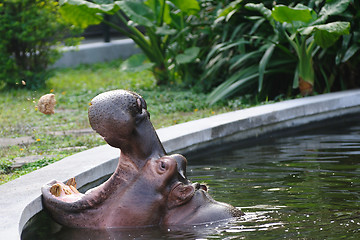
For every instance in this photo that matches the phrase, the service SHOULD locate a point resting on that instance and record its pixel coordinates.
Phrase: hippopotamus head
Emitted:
(147, 188)
(121, 117)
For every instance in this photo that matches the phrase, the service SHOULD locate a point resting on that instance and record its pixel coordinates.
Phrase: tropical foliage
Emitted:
(265, 48)
(30, 30)
(270, 41)
(303, 29)
(168, 45)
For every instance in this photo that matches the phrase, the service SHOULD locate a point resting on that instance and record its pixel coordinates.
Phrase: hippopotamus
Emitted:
(148, 187)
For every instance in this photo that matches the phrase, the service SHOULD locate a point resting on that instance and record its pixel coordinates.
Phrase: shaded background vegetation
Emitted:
(31, 31)
(238, 47)
(224, 47)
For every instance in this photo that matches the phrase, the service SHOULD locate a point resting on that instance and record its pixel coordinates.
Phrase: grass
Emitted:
(73, 89)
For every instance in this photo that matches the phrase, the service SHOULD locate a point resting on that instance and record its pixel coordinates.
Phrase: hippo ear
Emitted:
(180, 195)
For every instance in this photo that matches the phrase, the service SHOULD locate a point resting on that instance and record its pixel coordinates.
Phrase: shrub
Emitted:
(165, 48)
(265, 51)
(30, 30)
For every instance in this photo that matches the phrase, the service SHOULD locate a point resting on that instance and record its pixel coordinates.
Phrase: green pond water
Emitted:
(300, 186)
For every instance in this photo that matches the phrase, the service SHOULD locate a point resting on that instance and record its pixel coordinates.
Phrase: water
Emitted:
(304, 186)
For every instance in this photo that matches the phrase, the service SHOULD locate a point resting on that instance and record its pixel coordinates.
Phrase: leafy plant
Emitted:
(346, 53)
(305, 30)
(239, 59)
(164, 42)
(30, 31)
(276, 49)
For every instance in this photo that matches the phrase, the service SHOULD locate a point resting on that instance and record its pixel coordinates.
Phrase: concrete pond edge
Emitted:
(88, 53)
(20, 199)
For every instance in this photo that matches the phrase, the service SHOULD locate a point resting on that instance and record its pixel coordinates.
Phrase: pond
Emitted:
(301, 186)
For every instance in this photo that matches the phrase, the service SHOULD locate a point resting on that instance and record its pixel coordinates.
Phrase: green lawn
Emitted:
(74, 89)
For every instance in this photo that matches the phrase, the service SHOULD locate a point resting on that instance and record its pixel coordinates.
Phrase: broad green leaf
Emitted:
(326, 34)
(260, 8)
(83, 13)
(188, 56)
(138, 12)
(325, 39)
(299, 24)
(229, 9)
(109, 8)
(283, 13)
(80, 16)
(103, 1)
(189, 7)
(136, 63)
(334, 7)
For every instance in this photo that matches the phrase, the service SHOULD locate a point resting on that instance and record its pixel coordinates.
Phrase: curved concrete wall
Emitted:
(20, 199)
(96, 52)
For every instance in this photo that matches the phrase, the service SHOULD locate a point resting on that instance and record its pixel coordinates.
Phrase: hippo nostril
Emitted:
(199, 186)
(203, 187)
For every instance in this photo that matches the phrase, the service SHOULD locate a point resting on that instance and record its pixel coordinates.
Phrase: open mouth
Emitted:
(65, 192)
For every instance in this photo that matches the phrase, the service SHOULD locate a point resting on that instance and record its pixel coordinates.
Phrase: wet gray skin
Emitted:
(148, 187)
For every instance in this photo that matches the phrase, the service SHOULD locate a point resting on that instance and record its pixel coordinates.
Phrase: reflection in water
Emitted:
(42, 227)
(306, 186)
(311, 179)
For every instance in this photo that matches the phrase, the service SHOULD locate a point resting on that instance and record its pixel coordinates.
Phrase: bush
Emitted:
(165, 48)
(30, 30)
(260, 52)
